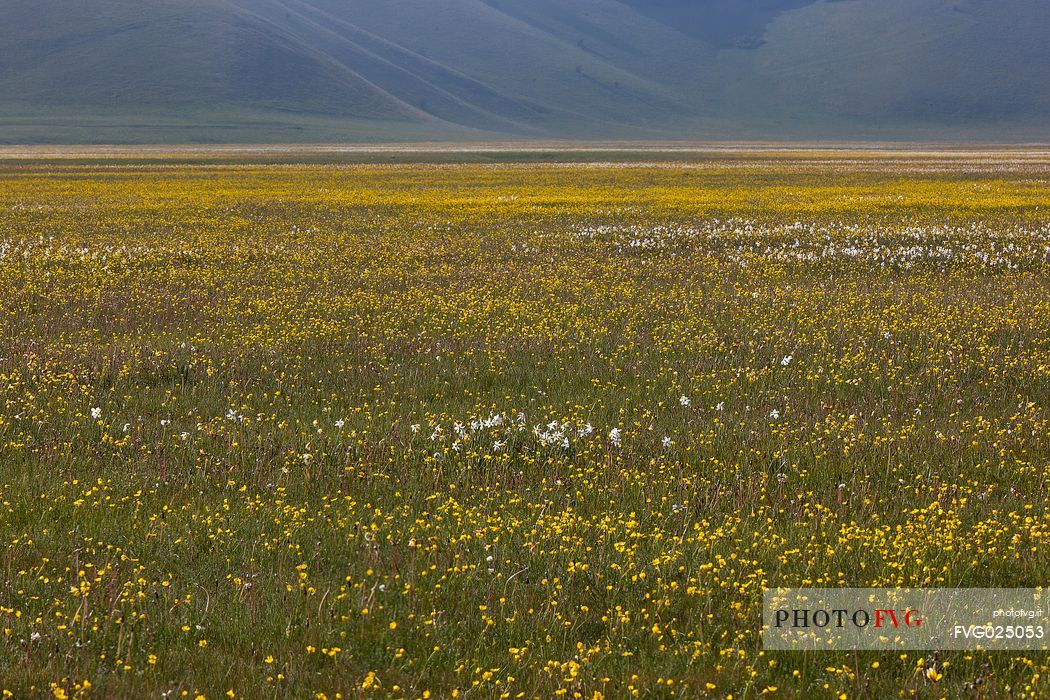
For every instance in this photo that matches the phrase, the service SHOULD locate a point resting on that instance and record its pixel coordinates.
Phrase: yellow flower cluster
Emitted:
(512, 431)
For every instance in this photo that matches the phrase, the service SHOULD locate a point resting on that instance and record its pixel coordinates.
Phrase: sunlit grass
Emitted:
(511, 431)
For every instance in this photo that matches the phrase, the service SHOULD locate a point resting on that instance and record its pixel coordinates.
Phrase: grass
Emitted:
(506, 430)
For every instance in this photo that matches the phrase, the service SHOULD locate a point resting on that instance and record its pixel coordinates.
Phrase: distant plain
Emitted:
(441, 421)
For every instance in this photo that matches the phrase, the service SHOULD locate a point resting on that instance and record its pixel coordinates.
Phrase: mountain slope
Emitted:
(299, 70)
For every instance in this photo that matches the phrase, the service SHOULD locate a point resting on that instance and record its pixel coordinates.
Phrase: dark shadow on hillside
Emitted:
(725, 24)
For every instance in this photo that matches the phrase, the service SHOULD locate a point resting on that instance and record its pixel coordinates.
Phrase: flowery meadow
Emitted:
(513, 430)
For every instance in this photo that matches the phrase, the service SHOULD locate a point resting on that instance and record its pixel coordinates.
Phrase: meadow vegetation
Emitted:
(513, 430)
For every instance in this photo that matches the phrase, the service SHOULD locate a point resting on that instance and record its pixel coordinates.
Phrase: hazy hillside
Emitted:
(296, 70)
